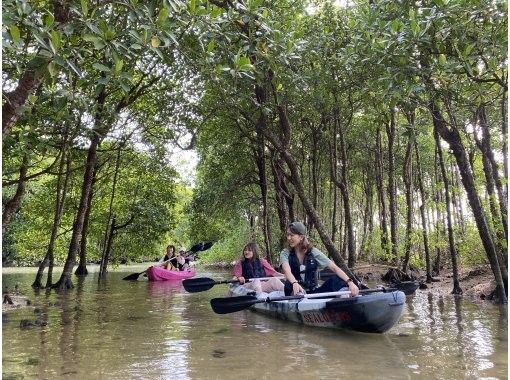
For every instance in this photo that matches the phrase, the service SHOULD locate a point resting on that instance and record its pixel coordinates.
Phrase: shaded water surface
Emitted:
(142, 330)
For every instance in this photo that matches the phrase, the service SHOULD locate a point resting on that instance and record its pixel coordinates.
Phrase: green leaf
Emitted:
(84, 7)
(125, 86)
(119, 65)
(243, 61)
(49, 19)
(52, 69)
(162, 16)
(468, 49)
(210, 46)
(15, 33)
(56, 39)
(101, 67)
(442, 59)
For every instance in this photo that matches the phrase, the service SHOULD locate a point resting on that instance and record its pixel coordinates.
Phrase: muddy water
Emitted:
(142, 330)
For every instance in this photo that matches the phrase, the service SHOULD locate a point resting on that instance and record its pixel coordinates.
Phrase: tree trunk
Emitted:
(282, 143)
(103, 268)
(65, 281)
(280, 198)
(504, 132)
(28, 83)
(456, 199)
(422, 213)
(61, 192)
(451, 239)
(13, 205)
(408, 182)
(453, 138)
(342, 184)
(81, 270)
(379, 171)
(491, 169)
(392, 188)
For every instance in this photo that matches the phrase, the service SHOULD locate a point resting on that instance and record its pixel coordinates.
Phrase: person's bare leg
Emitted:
(271, 285)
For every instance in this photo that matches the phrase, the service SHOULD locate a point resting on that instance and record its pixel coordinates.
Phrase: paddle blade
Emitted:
(207, 245)
(408, 287)
(233, 304)
(195, 285)
(133, 276)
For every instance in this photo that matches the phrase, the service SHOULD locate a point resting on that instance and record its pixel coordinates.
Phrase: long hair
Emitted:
(305, 245)
(168, 247)
(251, 246)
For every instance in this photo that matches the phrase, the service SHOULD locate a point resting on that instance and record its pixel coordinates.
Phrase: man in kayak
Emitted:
(252, 266)
(301, 263)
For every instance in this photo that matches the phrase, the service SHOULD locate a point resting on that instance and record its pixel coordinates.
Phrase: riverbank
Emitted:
(476, 282)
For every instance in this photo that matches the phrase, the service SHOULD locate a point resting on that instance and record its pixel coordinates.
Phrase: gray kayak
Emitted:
(371, 313)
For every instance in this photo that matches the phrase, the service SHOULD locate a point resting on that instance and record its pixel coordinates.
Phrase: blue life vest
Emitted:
(253, 269)
(311, 270)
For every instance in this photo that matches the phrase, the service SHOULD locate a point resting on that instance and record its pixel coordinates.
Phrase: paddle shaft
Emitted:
(202, 284)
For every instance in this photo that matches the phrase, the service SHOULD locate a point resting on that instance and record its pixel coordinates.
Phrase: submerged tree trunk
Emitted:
(81, 270)
(61, 192)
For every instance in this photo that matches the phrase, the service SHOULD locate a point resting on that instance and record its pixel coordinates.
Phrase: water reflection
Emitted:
(143, 330)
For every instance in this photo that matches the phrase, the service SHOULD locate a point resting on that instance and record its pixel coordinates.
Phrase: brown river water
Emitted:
(143, 330)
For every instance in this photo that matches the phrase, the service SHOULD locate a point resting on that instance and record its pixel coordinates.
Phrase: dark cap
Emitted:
(298, 228)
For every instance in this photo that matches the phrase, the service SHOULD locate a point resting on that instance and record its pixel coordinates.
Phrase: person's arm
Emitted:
(238, 272)
(296, 287)
(269, 270)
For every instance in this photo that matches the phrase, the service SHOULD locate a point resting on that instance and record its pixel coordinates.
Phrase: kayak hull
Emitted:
(160, 274)
(371, 313)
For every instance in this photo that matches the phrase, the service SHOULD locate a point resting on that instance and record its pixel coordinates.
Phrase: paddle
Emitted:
(202, 246)
(232, 304)
(201, 284)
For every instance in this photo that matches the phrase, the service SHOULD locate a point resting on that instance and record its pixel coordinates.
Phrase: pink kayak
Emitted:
(160, 274)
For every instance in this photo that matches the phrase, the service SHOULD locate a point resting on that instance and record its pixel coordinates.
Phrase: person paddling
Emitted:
(182, 260)
(170, 254)
(251, 265)
(301, 263)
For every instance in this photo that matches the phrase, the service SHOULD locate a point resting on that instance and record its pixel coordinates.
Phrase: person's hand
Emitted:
(297, 289)
(353, 288)
(241, 280)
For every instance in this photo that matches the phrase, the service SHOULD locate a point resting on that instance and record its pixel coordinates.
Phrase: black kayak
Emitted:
(371, 313)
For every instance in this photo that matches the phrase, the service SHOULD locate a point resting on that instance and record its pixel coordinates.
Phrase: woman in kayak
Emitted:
(182, 260)
(170, 254)
(251, 265)
(301, 263)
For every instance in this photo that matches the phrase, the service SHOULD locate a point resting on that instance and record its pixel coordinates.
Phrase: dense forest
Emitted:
(381, 124)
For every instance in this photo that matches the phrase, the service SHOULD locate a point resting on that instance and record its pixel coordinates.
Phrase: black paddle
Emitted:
(232, 304)
(202, 246)
(201, 284)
